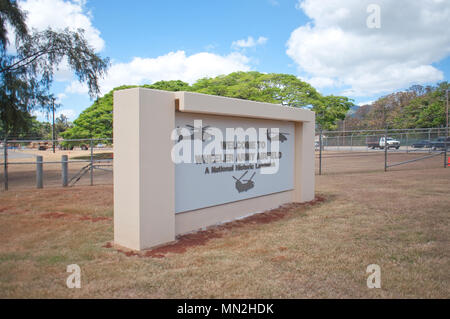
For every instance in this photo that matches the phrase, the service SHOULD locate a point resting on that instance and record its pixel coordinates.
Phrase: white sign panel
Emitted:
(236, 174)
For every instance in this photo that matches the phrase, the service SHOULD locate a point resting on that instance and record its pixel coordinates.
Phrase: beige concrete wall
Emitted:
(201, 218)
(304, 169)
(157, 171)
(126, 169)
(144, 174)
(219, 105)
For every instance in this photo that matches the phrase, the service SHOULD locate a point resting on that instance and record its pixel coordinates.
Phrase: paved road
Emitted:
(402, 149)
(15, 155)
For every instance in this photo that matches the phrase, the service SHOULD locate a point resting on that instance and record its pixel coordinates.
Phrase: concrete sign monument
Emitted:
(185, 161)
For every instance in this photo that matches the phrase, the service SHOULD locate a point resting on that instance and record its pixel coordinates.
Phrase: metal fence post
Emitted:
(320, 153)
(445, 153)
(385, 150)
(65, 173)
(446, 133)
(445, 149)
(407, 142)
(92, 163)
(39, 172)
(5, 164)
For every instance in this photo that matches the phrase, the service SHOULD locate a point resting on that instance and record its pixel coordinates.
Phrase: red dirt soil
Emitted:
(200, 238)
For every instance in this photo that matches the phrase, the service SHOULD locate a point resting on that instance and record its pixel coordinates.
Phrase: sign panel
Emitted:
(242, 171)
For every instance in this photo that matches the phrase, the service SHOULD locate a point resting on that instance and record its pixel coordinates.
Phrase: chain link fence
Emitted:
(27, 163)
(31, 163)
(365, 151)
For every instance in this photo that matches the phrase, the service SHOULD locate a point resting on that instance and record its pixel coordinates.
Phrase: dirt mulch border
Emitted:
(200, 238)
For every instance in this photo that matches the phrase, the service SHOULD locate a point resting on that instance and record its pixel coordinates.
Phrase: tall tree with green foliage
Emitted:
(26, 73)
(173, 86)
(285, 89)
(417, 107)
(62, 124)
(427, 110)
(96, 120)
(331, 109)
(33, 130)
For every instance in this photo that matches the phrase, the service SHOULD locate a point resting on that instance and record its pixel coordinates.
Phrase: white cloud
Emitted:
(44, 116)
(76, 87)
(274, 3)
(69, 113)
(59, 14)
(60, 97)
(249, 42)
(366, 103)
(337, 49)
(320, 82)
(171, 66)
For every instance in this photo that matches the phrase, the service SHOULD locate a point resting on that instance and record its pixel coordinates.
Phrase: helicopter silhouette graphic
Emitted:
(246, 184)
(205, 136)
(280, 137)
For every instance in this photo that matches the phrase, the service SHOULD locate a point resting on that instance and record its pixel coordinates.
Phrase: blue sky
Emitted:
(326, 43)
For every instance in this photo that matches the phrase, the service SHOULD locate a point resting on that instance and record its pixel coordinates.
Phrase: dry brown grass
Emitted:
(398, 220)
(335, 162)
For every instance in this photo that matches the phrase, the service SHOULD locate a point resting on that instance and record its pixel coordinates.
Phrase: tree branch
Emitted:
(33, 57)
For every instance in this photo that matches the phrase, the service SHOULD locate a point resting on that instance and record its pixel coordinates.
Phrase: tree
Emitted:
(96, 120)
(330, 109)
(93, 122)
(417, 107)
(173, 86)
(429, 109)
(10, 12)
(285, 89)
(62, 124)
(27, 73)
(33, 130)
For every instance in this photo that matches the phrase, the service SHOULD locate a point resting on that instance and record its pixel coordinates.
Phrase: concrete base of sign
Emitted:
(201, 218)
(144, 174)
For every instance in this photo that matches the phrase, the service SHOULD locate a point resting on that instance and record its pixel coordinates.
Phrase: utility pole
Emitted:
(53, 126)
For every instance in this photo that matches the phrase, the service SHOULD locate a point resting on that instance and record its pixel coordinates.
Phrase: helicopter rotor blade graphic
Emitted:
(243, 175)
